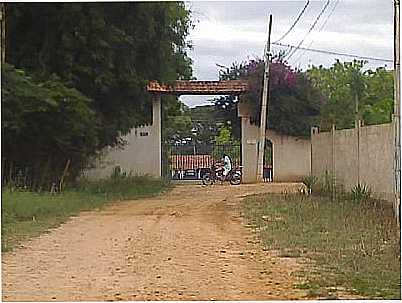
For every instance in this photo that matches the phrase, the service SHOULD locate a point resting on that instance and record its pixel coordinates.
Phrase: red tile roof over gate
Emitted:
(181, 87)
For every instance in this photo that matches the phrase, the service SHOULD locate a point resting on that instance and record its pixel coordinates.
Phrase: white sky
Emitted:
(229, 31)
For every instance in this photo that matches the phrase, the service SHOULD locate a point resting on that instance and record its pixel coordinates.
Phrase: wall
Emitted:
(291, 155)
(141, 155)
(362, 155)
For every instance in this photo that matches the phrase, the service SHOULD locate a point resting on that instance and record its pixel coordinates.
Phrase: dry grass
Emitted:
(26, 214)
(352, 246)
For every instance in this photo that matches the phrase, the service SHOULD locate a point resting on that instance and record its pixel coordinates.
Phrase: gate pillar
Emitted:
(249, 150)
(157, 129)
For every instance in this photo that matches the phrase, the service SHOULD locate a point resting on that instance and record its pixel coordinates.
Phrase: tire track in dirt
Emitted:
(188, 244)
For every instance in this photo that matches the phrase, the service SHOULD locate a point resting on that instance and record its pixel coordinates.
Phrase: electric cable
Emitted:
(310, 29)
(321, 28)
(336, 53)
(295, 22)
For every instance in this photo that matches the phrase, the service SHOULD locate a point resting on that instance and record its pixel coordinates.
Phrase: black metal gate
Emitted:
(268, 162)
(192, 161)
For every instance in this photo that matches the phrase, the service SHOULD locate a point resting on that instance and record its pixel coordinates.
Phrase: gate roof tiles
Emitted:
(181, 87)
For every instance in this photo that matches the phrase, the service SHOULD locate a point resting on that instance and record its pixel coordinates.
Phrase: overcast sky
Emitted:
(229, 31)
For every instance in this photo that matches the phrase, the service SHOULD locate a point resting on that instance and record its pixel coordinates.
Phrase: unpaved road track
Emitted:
(187, 244)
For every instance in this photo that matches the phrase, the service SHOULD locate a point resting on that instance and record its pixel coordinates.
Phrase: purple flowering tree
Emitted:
(294, 104)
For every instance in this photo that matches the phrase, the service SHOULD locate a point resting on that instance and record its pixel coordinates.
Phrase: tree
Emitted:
(379, 96)
(99, 55)
(176, 121)
(346, 83)
(45, 124)
(294, 104)
(226, 144)
(107, 51)
(206, 123)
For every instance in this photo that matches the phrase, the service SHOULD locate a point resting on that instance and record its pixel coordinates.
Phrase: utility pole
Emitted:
(264, 105)
(397, 101)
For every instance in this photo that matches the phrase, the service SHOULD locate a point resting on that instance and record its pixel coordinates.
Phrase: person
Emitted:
(227, 166)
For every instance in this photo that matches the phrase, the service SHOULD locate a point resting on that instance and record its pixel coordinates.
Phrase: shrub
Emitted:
(361, 193)
(310, 181)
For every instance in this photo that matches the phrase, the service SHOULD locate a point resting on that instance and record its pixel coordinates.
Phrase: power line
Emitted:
(335, 53)
(321, 28)
(329, 15)
(295, 22)
(310, 29)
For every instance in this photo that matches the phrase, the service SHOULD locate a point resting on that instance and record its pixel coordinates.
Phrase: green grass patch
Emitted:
(26, 214)
(353, 246)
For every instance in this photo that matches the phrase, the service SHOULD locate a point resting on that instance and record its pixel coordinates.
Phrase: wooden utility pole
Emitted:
(397, 102)
(264, 106)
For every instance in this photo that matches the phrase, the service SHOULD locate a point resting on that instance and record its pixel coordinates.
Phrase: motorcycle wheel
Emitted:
(207, 179)
(236, 179)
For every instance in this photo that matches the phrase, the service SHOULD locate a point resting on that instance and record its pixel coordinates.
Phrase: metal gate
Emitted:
(268, 175)
(192, 161)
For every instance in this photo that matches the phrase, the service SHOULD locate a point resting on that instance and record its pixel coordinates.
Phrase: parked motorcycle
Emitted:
(216, 174)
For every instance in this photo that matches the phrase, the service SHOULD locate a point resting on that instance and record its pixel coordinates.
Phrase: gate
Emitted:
(268, 162)
(192, 161)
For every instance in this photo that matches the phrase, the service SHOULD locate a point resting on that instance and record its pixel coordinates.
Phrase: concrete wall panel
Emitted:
(140, 156)
(373, 165)
(291, 157)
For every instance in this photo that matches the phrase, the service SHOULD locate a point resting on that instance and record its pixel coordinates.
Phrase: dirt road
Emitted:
(188, 244)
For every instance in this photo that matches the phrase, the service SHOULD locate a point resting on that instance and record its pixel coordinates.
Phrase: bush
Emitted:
(361, 193)
(44, 124)
(310, 181)
(325, 185)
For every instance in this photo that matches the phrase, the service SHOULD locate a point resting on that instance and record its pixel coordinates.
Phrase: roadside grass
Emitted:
(27, 214)
(352, 246)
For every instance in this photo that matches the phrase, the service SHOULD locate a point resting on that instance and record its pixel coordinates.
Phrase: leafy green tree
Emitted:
(224, 136)
(97, 56)
(107, 51)
(44, 124)
(226, 144)
(344, 85)
(379, 96)
(206, 123)
(176, 121)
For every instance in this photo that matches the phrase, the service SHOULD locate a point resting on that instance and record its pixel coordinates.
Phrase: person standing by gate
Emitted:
(227, 166)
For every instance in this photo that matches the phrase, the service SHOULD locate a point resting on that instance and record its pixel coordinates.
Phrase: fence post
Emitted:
(333, 163)
(357, 128)
(314, 130)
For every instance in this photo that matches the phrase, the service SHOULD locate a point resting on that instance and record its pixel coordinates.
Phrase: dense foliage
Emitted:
(320, 96)
(294, 103)
(176, 121)
(44, 124)
(346, 83)
(198, 125)
(206, 123)
(105, 53)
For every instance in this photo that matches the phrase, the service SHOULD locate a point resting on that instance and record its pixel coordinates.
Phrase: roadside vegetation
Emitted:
(26, 214)
(348, 244)
(59, 78)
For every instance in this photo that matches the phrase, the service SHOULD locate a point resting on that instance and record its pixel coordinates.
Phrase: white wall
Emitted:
(141, 155)
(291, 157)
(370, 162)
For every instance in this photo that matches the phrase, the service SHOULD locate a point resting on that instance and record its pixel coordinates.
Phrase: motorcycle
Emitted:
(216, 174)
